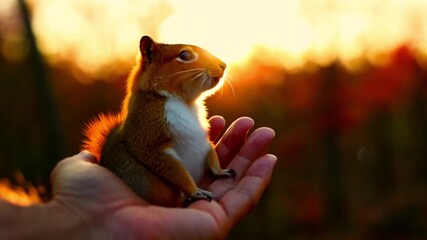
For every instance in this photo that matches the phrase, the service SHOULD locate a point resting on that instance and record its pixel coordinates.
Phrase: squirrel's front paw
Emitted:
(201, 194)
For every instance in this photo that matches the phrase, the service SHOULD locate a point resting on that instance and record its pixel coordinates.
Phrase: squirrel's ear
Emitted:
(148, 48)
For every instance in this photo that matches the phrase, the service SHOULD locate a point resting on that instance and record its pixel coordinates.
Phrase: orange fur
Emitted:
(97, 131)
(162, 103)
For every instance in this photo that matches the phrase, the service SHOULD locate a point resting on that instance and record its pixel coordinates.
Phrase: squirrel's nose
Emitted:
(222, 65)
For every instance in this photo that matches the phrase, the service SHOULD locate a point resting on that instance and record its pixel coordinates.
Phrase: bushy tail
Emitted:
(25, 194)
(97, 131)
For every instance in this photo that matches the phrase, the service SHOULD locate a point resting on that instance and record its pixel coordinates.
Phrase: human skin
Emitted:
(89, 202)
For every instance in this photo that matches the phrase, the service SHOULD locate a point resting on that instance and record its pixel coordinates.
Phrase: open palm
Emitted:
(88, 193)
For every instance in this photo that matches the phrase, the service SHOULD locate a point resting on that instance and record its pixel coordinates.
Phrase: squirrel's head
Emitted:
(177, 69)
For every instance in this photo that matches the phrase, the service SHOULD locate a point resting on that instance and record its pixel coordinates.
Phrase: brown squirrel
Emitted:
(158, 143)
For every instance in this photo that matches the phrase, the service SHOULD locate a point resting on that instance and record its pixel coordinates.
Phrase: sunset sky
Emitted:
(101, 37)
(341, 82)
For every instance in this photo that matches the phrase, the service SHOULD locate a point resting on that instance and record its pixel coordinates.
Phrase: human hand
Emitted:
(100, 206)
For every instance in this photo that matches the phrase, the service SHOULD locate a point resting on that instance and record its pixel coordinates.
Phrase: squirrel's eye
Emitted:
(186, 56)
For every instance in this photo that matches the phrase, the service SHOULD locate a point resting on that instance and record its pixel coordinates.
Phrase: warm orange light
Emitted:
(19, 195)
(231, 29)
(101, 37)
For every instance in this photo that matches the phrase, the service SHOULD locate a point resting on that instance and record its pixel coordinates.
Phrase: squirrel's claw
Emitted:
(227, 173)
(201, 194)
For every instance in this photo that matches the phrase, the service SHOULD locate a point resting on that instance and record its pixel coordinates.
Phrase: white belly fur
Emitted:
(192, 146)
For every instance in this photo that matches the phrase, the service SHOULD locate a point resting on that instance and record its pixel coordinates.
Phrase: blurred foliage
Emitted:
(350, 142)
(351, 147)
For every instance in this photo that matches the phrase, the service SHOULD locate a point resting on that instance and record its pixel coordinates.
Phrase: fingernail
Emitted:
(88, 156)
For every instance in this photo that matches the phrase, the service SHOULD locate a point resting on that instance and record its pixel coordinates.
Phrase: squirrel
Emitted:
(158, 143)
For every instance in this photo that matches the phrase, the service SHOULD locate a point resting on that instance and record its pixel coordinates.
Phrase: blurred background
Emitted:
(343, 83)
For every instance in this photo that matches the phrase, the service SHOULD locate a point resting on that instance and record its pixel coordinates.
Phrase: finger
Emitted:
(256, 145)
(233, 139)
(83, 156)
(221, 186)
(67, 168)
(245, 196)
(77, 176)
(217, 123)
(73, 163)
(86, 156)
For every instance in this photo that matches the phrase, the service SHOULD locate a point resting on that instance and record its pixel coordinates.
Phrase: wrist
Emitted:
(41, 221)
